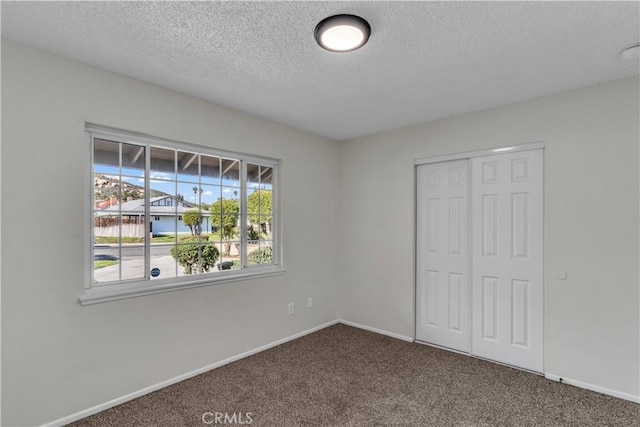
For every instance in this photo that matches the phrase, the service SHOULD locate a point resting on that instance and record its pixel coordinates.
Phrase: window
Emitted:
(167, 215)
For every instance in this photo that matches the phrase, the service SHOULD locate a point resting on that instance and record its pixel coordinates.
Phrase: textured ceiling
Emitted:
(424, 60)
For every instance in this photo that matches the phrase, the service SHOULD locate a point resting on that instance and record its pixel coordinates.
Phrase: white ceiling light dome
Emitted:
(631, 52)
(342, 33)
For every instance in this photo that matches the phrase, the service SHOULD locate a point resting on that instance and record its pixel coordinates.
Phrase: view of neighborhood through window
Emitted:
(204, 214)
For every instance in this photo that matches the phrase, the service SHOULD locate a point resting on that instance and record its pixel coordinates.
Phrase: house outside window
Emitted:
(167, 215)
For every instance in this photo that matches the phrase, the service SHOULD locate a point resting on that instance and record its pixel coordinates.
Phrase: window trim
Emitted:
(137, 287)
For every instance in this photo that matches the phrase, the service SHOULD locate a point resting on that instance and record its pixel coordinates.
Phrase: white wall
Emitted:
(591, 219)
(58, 357)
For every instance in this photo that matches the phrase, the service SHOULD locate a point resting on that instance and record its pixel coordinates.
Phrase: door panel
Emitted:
(442, 254)
(507, 253)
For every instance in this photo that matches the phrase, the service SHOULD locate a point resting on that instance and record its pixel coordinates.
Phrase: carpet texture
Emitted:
(343, 376)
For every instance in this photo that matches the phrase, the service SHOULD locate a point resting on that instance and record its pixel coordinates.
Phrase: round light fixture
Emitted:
(631, 52)
(342, 33)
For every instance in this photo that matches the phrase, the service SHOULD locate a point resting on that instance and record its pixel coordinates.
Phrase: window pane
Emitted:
(191, 194)
(106, 157)
(260, 253)
(231, 172)
(210, 170)
(264, 225)
(231, 193)
(266, 177)
(230, 255)
(163, 226)
(228, 264)
(162, 259)
(253, 234)
(259, 214)
(136, 183)
(133, 161)
(209, 194)
(185, 229)
(259, 177)
(224, 218)
(132, 202)
(106, 262)
(106, 240)
(194, 257)
(267, 252)
(188, 167)
(163, 211)
(196, 224)
(209, 258)
(253, 175)
(106, 191)
(106, 228)
(258, 205)
(163, 165)
(161, 192)
(132, 260)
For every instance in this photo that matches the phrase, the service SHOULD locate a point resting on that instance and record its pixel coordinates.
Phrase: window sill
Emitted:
(105, 293)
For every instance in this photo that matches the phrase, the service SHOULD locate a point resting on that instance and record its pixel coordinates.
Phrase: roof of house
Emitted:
(136, 207)
(102, 204)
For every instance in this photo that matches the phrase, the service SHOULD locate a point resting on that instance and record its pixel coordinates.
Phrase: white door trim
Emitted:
(479, 153)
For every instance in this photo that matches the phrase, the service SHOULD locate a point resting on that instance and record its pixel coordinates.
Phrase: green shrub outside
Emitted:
(229, 265)
(203, 238)
(195, 257)
(260, 256)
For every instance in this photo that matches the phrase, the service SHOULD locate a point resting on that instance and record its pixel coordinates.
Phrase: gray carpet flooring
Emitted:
(343, 376)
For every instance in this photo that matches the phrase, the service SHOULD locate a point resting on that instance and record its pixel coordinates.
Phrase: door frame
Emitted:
(478, 153)
(460, 156)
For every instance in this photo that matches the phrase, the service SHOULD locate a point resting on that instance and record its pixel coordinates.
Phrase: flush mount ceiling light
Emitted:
(631, 52)
(342, 33)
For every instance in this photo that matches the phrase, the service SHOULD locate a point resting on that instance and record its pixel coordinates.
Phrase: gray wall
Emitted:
(356, 261)
(59, 358)
(591, 223)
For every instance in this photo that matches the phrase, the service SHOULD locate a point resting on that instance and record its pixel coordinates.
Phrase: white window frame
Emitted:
(94, 294)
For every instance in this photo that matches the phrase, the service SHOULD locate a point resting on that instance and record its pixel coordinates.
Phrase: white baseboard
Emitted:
(117, 401)
(597, 389)
(376, 330)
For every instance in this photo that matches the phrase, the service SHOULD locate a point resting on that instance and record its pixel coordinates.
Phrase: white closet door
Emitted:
(442, 254)
(507, 253)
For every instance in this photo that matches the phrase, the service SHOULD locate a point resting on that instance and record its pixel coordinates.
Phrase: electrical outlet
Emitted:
(291, 310)
(309, 302)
